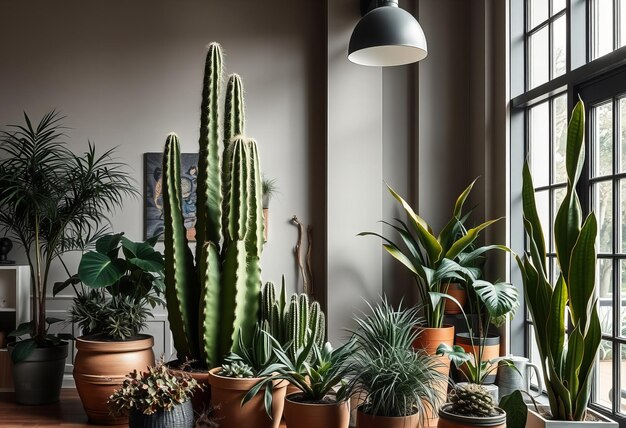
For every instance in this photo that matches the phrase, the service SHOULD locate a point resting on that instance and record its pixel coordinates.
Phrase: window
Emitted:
(560, 50)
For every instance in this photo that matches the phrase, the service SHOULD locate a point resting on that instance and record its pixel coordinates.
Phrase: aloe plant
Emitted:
(213, 298)
(567, 354)
(437, 260)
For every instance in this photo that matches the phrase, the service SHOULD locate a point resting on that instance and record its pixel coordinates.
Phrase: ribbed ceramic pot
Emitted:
(201, 395)
(227, 394)
(447, 419)
(100, 368)
(314, 415)
(363, 420)
(181, 416)
(38, 378)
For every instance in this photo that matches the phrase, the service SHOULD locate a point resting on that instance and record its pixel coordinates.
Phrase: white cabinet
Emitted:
(14, 310)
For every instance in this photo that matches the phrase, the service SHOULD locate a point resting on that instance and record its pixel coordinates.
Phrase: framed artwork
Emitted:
(153, 193)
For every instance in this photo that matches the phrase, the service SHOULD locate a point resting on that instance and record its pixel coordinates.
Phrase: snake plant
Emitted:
(567, 354)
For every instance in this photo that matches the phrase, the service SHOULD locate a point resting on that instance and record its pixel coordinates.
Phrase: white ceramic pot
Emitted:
(535, 420)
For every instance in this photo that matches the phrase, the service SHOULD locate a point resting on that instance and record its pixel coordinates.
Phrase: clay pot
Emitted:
(458, 292)
(201, 397)
(226, 396)
(38, 378)
(363, 420)
(310, 415)
(450, 420)
(491, 350)
(100, 368)
(429, 340)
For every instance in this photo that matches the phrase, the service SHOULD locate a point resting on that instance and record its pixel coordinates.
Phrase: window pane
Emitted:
(559, 49)
(603, 27)
(622, 132)
(538, 57)
(540, 144)
(603, 139)
(603, 206)
(604, 380)
(622, 329)
(538, 12)
(622, 217)
(557, 6)
(622, 371)
(559, 137)
(605, 289)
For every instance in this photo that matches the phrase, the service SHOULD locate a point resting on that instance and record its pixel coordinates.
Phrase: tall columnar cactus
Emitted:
(291, 323)
(214, 299)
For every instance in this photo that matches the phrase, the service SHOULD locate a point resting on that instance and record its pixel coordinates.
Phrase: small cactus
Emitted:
(237, 369)
(472, 400)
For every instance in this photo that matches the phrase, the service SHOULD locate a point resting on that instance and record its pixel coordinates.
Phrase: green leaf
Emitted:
(22, 350)
(556, 323)
(52, 320)
(499, 299)
(97, 270)
(455, 353)
(22, 329)
(143, 255)
(515, 408)
(398, 255)
(535, 232)
(582, 273)
(108, 243)
(467, 239)
(60, 286)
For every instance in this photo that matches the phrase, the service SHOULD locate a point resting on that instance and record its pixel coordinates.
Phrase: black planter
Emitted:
(39, 377)
(180, 416)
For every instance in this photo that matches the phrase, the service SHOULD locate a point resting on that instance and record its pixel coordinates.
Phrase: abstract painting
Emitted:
(153, 193)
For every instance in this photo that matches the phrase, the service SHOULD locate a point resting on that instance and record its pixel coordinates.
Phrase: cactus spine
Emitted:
(292, 323)
(471, 400)
(212, 301)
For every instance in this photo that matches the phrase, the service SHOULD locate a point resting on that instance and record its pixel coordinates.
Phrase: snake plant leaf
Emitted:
(97, 270)
(566, 230)
(436, 299)
(535, 233)
(458, 206)
(574, 358)
(467, 239)
(398, 255)
(556, 323)
(575, 154)
(582, 273)
(499, 298)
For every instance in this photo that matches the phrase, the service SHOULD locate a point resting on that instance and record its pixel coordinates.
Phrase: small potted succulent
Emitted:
(395, 385)
(471, 405)
(155, 399)
(237, 375)
(116, 285)
(321, 400)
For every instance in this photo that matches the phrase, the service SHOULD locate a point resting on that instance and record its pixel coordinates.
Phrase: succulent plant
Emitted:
(214, 299)
(152, 391)
(237, 369)
(471, 399)
(291, 324)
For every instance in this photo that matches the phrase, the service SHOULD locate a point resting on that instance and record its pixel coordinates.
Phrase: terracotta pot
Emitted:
(450, 420)
(458, 292)
(363, 420)
(226, 396)
(201, 397)
(100, 368)
(429, 340)
(492, 350)
(310, 415)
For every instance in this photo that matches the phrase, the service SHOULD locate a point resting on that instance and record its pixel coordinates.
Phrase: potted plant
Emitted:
(240, 373)
(471, 405)
(567, 352)
(119, 283)
(321, 399)
(477, 353)
(394, 384)
(51, 202)
(155, 399)
(214, 297)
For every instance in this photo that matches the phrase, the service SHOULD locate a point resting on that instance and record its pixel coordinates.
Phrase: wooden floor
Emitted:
(68, 412)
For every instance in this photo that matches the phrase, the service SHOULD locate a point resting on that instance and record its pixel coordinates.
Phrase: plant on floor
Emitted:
(437, 260)
(394, 379)
(493, 303)
(213, 302)
(115, 293)
(152, 391)
(291, 323)
(53, 201)
(567, 353)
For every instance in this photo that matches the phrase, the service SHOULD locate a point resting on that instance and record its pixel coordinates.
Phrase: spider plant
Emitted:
(437, 260)
(393, 379)
(53, 201)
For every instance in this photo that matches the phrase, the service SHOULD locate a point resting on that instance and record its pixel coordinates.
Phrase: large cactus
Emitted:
(291, 323)
(213, 299)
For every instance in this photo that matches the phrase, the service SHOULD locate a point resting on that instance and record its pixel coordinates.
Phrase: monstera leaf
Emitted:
(499, 298)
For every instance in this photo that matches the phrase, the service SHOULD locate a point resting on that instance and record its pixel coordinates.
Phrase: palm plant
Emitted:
(53, 201)
(437, 260)
(567, 354)
(393, 379)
